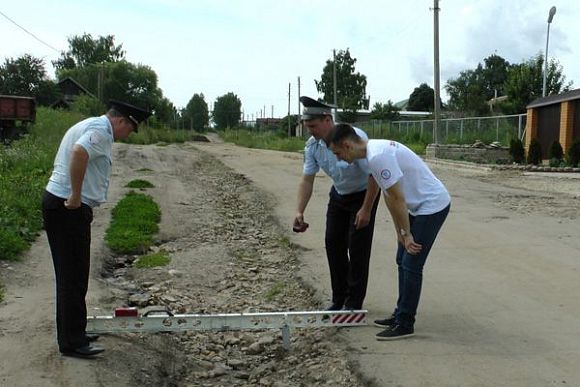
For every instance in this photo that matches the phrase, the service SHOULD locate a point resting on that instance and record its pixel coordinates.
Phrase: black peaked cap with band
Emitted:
(314, 109)
(132, 112)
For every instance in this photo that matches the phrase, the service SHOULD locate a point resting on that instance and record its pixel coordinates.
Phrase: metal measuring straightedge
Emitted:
(162, 320)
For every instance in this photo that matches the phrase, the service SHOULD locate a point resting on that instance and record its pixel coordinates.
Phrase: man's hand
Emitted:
(299, 225)
(72, 203)
(362, 219)
(411, 246)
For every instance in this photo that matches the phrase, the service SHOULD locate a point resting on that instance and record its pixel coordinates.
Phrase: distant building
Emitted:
(70, 90)
(556, 117)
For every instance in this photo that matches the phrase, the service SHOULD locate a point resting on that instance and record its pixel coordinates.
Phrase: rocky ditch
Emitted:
(231, 257)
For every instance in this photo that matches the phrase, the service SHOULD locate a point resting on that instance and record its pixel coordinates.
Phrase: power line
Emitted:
(28, 32)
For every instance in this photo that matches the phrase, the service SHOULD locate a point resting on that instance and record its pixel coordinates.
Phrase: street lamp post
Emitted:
(550, 17)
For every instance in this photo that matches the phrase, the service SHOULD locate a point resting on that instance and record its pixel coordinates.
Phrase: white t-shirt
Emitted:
(391, 162)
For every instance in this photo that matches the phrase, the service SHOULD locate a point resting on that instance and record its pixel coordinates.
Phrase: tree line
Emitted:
(99, 65)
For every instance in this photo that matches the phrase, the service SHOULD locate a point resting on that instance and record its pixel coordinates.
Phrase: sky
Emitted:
(255, 48)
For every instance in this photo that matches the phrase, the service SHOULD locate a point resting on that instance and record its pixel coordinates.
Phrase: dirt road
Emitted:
(500, 298)
(499, 306)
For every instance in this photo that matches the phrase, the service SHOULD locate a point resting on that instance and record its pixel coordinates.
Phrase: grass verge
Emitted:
(161, 258)
(263, 140)
(134, 222)
(25, 166)
(149, 135)
(139, 184)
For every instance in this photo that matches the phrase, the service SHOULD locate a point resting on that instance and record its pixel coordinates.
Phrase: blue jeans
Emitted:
(424, 229)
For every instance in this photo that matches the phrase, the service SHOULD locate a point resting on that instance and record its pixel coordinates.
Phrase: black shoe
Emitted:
(85, 352)
(387, 322)
(335, 306)
(92, 337)
(395, 332)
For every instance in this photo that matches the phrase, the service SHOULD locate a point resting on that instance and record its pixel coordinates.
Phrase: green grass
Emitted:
(281, 142)
(148, 135)
(161, 258)
(25, 166)
(263, 140)
(274, 291)
(140, 184)
(133, 224)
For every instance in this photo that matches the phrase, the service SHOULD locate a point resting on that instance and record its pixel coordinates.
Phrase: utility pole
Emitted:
(436, 71)
(289, 121)
(272, 116)
(334, 76)
(298, 97)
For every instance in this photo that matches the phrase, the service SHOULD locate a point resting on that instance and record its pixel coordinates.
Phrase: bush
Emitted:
(573, 154)
(517, 151)
(556, 151)
(134, 222)
(535, 152)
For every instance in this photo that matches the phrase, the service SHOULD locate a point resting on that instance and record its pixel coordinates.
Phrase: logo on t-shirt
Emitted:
(386, 174)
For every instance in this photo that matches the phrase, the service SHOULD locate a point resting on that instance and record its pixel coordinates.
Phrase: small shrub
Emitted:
(556, 151)
(161, 258)
(134, 222)
(535, 152)
(573, 154)
(11, 244)
(517, 151)
(140, 184)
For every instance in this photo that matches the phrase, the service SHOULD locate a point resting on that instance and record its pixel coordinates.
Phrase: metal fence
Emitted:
(451, 130)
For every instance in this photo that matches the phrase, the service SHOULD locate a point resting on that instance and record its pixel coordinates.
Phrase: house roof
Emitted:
(81, 87)
(554, 99)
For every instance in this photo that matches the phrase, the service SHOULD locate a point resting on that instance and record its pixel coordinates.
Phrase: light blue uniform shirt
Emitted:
(95, 135)
(347, 178)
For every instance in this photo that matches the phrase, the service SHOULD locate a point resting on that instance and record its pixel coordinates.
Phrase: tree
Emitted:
(466, 93)
(26, 76)
(196, 113)
(495, 75)
(524, 83)
(227, 111)
(422, 99)
(84, 50)
(387, 111)
(351, 86)
(164, 111)
(470, 91)
(135, 84)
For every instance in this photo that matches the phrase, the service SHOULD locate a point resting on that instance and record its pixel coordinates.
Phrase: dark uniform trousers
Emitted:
(69, 236)
(348, 250)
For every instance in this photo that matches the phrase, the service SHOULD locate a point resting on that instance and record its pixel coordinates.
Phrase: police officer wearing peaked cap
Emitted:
(78, 183)
(313, 108)
(133, 113)
(351, 207)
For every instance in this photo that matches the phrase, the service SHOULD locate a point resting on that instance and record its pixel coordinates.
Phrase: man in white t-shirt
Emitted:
(418, 203)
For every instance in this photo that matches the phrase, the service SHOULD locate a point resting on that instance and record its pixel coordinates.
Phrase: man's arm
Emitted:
(79, 160)
(363, 216)
(304, 193)
(397, 206)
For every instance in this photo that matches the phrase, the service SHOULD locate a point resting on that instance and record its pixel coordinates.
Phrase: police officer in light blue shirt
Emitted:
(351, 211)
(79, 182)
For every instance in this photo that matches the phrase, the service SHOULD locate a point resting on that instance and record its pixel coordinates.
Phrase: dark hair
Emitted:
(344, 132)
